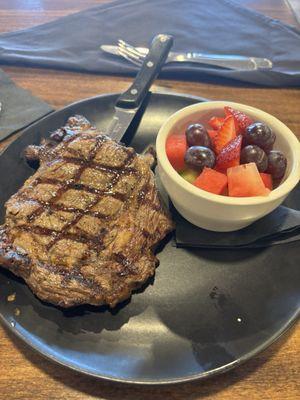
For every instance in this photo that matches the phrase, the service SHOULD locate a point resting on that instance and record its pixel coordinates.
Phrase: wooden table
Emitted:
(273, 374)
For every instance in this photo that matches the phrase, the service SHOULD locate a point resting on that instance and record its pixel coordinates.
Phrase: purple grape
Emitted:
(196, 135)
(254, 154)
(198, 157)
(276, 164)
(261, 135)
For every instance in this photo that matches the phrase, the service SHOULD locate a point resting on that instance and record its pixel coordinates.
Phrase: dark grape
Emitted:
(198, 157)
(254, 154)
(261, 135)
(276, 164)
(196, 135)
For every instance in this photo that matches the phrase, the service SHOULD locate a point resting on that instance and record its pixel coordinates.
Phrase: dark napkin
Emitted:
(214, 26)
(280, 226)
(19, 107)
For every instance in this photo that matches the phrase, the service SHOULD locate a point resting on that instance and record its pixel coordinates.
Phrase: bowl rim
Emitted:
(281, 191)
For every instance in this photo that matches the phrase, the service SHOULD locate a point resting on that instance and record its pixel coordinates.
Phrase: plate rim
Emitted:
(20, 132)
(190, 378)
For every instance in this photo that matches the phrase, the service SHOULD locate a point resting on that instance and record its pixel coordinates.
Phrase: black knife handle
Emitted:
(151, 67)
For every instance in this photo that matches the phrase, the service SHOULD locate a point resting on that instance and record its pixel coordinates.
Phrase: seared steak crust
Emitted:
(82, 229)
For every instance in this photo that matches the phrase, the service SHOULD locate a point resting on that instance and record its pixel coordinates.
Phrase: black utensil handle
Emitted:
(152, 64)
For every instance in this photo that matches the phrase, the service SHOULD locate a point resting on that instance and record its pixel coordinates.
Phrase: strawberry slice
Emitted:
(212, 133)
(230, 155)
(226, 134)
(241, 120)
(216, 122)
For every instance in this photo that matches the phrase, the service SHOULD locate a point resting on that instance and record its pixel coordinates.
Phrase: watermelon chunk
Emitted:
(176, 147)
(212, 181)
(267, 180)
(245, 181)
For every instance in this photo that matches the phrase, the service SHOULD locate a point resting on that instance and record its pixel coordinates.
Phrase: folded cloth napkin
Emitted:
(280, 226)
(19, 107)
(214, 26)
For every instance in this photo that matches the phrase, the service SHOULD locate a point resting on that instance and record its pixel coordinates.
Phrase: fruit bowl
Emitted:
(223, 213)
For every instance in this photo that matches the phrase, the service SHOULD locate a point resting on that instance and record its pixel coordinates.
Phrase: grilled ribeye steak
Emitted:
(82, 229)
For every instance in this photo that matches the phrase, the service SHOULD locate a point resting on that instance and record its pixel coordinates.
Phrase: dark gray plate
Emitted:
(205, 312)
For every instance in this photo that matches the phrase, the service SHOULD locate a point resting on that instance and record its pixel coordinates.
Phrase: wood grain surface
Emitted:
(273, 374)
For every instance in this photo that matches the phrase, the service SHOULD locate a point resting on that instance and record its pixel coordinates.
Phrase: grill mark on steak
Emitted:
(61, 207)
(96, 242)
(142, 200)
(87, 164)
(102, 167)
(64, 186)
(143, 191)
(75, 186)
(69, 275)
(128, 265)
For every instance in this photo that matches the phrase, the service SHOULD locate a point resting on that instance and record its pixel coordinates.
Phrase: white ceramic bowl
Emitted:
(224, 213)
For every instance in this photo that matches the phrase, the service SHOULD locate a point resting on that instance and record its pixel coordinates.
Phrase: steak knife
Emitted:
(130, 101)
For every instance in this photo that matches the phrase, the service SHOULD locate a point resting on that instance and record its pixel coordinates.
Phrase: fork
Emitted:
(136, 55)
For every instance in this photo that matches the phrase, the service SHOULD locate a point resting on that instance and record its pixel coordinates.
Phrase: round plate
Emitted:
(203, 313)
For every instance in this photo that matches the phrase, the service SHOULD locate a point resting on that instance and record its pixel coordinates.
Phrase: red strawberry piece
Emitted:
(212, 133)
(267, 180)
(176, 147)
(230, 154)
(212, 181)
(241, 120)
(226, 134)
(216, 122)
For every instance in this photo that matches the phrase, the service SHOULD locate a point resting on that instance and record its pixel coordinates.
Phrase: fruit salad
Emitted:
(233, 155)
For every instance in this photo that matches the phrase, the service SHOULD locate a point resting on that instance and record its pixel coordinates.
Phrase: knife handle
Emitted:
(151, 67)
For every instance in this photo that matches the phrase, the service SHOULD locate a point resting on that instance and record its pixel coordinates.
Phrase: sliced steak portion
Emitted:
(82, 229)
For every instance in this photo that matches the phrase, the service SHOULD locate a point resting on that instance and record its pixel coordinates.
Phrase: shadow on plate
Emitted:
(81, 319)
(229, 304)
(115, 391)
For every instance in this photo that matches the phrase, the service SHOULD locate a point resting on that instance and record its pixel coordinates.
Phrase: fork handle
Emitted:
(150, 68)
